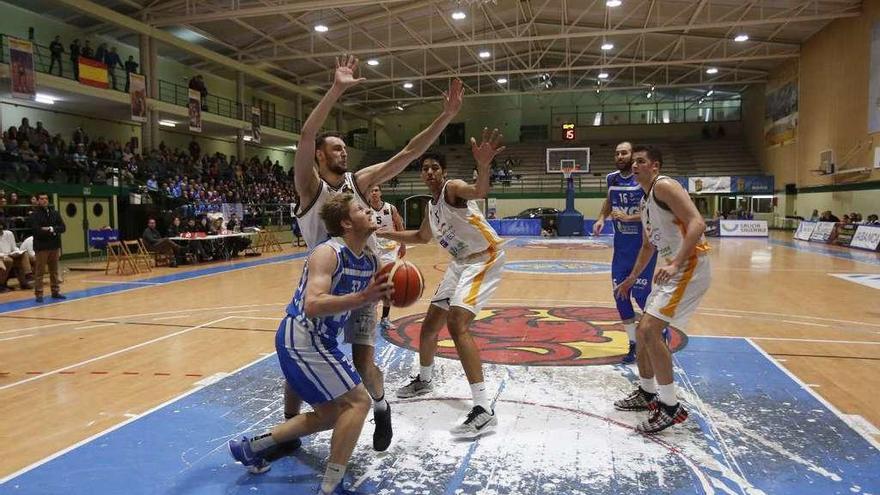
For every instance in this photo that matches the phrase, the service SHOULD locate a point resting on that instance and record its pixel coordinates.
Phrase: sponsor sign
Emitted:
(21, 69)
(138, 93)
(867, 237)
(194, 108)
(701, 185)
(822, 232)
(805, 230)
(743, 228)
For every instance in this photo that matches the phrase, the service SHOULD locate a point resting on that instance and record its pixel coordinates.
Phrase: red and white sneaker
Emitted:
(663, 417)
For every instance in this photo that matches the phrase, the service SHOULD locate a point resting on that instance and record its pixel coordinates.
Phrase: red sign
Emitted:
(568, 132)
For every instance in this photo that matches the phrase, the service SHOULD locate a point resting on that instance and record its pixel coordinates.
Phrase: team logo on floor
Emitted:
(557, 267)
(565, 336)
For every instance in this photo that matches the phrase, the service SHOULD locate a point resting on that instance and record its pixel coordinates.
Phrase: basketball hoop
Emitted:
(567, 170)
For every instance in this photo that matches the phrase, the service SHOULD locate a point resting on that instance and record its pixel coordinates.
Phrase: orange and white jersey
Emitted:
(310, 223)
(665, 231)
(461, 231)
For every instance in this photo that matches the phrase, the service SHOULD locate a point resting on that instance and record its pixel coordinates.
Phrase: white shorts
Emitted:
(470, 284)
(361, 326)
(676, 300)
(388, 251)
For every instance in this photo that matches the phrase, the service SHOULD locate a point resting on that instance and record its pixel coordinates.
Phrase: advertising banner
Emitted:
(743, 228)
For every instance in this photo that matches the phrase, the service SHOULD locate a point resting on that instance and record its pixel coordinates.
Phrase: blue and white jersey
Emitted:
(625, 195)
(353, 274)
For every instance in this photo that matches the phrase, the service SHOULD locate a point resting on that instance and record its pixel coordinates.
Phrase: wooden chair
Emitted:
(140, 257)
(267, 242)
(116, 252)
(157, 257)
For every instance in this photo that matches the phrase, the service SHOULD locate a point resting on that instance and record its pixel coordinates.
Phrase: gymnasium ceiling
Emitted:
(537, 46)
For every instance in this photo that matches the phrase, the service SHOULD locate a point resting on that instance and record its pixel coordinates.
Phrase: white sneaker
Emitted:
(478, 422)
(414, 388)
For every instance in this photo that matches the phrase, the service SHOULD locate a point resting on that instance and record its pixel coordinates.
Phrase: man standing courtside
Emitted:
(46, 227)
(622, 204)
(673, 231)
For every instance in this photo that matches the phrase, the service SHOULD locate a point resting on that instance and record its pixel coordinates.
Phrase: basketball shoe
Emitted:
(242, 452)
(630, 357)
(414, 388)
(638, 400)
(663, 417)
(385, 324)
(478, 422)
(383, 433)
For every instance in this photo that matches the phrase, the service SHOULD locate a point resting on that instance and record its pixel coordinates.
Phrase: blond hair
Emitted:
(334, 211)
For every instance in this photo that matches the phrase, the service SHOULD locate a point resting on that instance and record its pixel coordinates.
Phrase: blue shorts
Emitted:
(621, 266)
(313, 366)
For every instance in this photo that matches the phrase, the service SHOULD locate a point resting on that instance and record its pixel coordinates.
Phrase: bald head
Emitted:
(623, 157)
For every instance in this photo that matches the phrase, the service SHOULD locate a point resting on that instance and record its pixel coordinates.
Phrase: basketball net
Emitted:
(567, 171)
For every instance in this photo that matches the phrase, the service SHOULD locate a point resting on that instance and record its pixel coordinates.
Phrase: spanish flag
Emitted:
(93, 73)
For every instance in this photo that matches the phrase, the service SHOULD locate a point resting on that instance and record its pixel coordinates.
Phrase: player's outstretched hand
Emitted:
(598, 226)
(345, 69)
(379, 288)
(489, 147)
(453, 98)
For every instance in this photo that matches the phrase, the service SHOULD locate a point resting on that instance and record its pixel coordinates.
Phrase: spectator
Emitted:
(194, 149)
(86, 50)
(46, 227)
(827, 216)
(56, 49)
(131, 67)
(155, 243)
(198, 83)
(27, 247)
(75, 51)
(11, 258)
(872, 220)
(101, 52)
(153, 185)
(112, 61)
(174, 230)
(815, 216)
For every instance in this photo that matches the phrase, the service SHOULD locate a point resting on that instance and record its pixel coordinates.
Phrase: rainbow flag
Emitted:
(93, 73)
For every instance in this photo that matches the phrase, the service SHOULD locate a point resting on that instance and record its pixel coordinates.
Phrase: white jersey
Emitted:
(461, 231)
(310, 223)
(665, 231)
(385, 221)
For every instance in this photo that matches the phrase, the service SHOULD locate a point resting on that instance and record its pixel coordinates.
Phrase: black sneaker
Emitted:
(282, 450)
(383, 433)
(478, 422)
(58, 295)
(638, 400)
(662, 418)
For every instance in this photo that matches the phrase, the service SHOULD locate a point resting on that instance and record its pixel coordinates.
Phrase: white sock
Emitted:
(648, 385)
(262, 442)
(332, 477)
(426, 373)
(667, 394)
(380, 404)
(630, 331)
(478, 390)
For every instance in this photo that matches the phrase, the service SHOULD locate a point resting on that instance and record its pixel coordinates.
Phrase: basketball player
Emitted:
(622, 203)
(673, 229)
(455, 221)
(331, 177)
(387, 218)
(336, 279)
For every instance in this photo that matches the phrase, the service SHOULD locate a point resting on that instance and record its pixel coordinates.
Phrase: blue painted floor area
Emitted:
(148, 282)
(752, 430)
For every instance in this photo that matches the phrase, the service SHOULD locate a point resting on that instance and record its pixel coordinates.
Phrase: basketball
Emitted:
(408, 282)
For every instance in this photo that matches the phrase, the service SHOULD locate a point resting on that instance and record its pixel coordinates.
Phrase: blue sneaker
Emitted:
(338, 491)
(241, 451)
(630, 357)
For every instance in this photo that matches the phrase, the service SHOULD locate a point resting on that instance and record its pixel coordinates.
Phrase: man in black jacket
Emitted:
(155, 243)
(47, 227)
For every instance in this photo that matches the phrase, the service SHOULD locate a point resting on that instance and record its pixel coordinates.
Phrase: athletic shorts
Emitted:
(470, 284)
(314, 367)
(621, 266)
(360, 328)
(676, 300)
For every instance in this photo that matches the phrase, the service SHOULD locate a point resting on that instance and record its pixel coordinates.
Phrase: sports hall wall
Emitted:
(833, 79)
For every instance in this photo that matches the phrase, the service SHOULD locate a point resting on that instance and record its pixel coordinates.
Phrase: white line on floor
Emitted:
(111, 354)
(99, 325)
(170, 317)
(718, 314)
(18, 337)
(122, 282)
(788, 339)
(804, 323)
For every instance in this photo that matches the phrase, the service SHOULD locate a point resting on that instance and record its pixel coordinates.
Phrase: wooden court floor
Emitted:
(71, 370)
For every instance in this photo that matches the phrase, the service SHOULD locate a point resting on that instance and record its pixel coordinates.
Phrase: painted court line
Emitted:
(110, 354)
(134, 282)
(804, 323)
(789, 339)
(871, 440)
(99, 325)
(120, 425)
(170, 317)
(18, 337)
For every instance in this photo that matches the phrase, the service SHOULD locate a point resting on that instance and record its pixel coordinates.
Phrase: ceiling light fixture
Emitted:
(613, 3)
(607, 46)
(502, 81)
(741, 37)
(710, 92)
(458, 15)
(321, 28)
(485, 54)
(603, 75)
(43, 98)
(167, 123)
(712, 70)
(407, 85)
(372, 62)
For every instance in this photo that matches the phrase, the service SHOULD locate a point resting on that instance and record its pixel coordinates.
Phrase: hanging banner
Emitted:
(752, 184)
(805, 230)
(867, 237)
(21, 58)
(195, 111)
(822, 232)
(93, 73)
(781, 114)
(256, 131)
(137, 92)
(700, 185)
(874, 81)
